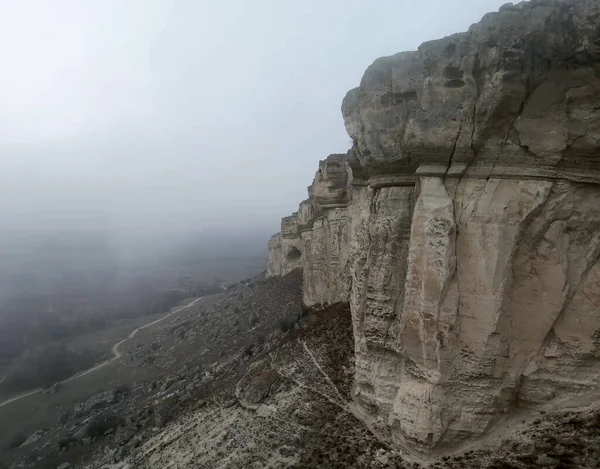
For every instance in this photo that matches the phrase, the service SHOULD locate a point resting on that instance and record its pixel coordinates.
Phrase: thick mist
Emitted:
(165, 118)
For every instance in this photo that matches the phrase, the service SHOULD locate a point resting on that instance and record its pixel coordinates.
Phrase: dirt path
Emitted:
(115, 351)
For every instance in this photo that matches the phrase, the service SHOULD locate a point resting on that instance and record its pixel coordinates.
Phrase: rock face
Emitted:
(467, 236)
(316, 237)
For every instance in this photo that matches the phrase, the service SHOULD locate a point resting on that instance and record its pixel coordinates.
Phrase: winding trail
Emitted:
(115, 351)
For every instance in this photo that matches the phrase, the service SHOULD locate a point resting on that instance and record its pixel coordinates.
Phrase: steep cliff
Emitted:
(316, 237)
(466, 234)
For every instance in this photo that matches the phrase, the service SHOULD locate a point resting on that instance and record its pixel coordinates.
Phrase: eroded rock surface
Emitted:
(316, 237)
(468, 238)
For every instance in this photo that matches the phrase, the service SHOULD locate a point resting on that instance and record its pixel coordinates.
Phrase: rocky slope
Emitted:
(247, 379)
(464, 225)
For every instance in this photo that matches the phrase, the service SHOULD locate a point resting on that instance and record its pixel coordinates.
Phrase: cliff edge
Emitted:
(463, 226)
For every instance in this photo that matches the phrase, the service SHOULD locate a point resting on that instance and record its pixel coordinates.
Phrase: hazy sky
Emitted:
(186, 113)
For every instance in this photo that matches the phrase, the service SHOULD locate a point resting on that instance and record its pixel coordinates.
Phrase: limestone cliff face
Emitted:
(316, 237)
(468, 241)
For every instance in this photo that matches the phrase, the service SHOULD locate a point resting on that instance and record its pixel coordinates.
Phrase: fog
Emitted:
(181, 115)
(142, 130)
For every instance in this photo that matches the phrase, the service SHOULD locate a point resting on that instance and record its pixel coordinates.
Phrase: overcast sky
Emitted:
(137, 114)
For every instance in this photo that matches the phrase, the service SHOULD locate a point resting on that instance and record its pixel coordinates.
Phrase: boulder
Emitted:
(35, 436)
(256, 389)
(99, 400)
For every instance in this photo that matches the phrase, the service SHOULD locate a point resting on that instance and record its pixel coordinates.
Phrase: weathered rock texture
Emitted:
(468, 243)
(316, 237)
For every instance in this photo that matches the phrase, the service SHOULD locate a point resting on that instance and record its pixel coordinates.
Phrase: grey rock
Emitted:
(543, 460)
(457, 101)
(262, 386)
(99, 400)
(33, 438)
(316, 237)
(459, 228)
(167, 384)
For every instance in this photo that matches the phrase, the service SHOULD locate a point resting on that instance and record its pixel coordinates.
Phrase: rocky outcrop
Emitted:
(99, 400)
(316, 237)
(468, 240)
